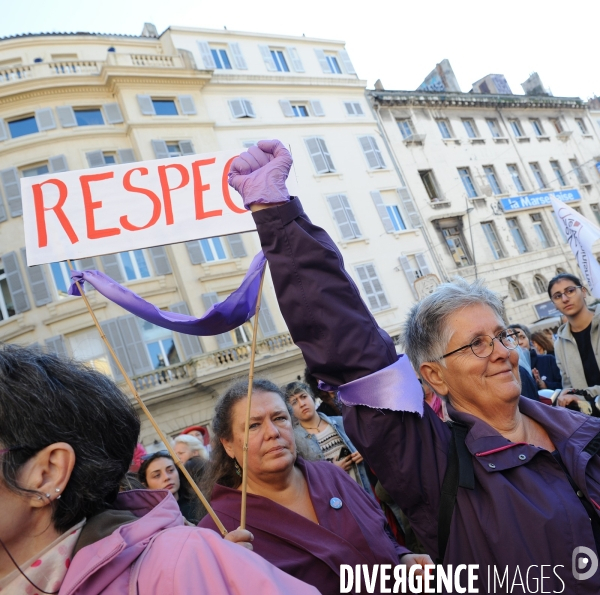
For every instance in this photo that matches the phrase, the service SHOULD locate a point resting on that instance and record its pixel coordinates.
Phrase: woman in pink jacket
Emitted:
(67, 435)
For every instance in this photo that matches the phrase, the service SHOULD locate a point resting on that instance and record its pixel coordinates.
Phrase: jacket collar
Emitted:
(564, 331)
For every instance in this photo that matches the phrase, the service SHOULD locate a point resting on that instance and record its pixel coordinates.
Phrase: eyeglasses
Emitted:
(158, 453)
(483, 345)
(569, 291)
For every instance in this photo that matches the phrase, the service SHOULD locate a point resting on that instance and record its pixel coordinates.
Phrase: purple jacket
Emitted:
(159, 555)
(522, 513)
(352, 534)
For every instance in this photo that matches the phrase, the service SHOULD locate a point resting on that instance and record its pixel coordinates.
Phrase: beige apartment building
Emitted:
(74, 101)
(481, 167)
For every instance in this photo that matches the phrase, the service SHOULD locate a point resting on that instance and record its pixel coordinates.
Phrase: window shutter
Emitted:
(95, 158)
(186, 147)
(323, 61)
(410, 273)
(237, 108)
(134, 343)
(249, 109)
(111, 266)
(210, 299)
(350, 215)
(113, 334)
(422, 262)
(45, 119)
(372, 287)
(286, 108)
(295, 59)
(376, 284)
(57, 346)
(347, 63)
(195, 252)
(162, 266)
(340, 216)
(126, 155)
(358, 109)
(209, 63)
(14, 279)
(66, 116)
(383, 214)
(146, 105)
(349, 108)
(86, 264)
(2, 210)
(317, 107)
(58, 163)
(371, 151)
(326, 154)
(113, 114)
(3, 130)
(238, 57)
(409, 207)
(236, 246)
(187, 105)
(12, 190)
(37, 282)
(160, 149)
(189, 343)
(266, 54)
(265, 320)
(314, 150)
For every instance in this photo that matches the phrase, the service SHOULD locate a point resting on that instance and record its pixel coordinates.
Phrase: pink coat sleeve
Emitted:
(186, 560)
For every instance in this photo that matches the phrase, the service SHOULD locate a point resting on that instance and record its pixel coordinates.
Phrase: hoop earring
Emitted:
(238, 469)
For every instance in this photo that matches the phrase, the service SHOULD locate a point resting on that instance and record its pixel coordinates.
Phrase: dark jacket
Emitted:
(522, 513)
(546, 366)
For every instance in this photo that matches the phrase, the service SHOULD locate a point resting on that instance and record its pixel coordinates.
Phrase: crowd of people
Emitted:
(478, 446)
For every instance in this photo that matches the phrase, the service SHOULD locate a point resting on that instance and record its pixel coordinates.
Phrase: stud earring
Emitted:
(238, 469)
(48, 496)
(39, 498)
(57, 489)
(58, 497)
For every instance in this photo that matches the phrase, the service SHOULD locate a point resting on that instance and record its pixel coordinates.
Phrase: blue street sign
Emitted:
(546, 310)
(530, 201)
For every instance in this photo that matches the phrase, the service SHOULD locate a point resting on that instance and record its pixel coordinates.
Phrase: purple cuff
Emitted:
(395, 387)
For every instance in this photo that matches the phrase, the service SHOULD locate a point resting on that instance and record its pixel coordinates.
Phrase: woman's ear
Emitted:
(433, 374)
(228, 446)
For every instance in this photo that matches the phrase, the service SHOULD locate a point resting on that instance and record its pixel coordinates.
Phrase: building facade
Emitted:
(75, 101)
(481, 167)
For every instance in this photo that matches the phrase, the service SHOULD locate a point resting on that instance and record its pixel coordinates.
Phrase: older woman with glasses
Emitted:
(511, 484)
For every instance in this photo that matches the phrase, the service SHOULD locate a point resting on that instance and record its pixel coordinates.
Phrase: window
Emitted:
(540, 284)
(395, 216)
(61, 274)
(456, 245)
(134, 264)
(515, 126)
(406, 128)
(467, 180)
(343, 216)
(334, 65)
(353, 108)
(7, 308)
(38, 170)
(517, 235)
(23, 126)
(213, 249)
(494, 127)
(371, 151)
(596, 210)
(513, 170)
(320, 155)
(430, 184)
(89, 117)
(489, 230)
(538, 175)
(241, 108)
(100, 158)
(87, 346)
(580, 122)
(557, 125)
(387, 207)
(444, 127)
(516, 291)
(279, 60)
(300, 111)
(221, 59)
(470, 128)
(490, 174)
(165, 107)
(160, 345)
(540, 230)
(558, 174)
(330, 61)
(537, 127)
(372, 287)
(579, 173)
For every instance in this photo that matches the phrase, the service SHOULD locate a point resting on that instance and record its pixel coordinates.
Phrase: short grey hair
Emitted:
(193, 443)
(425, 334)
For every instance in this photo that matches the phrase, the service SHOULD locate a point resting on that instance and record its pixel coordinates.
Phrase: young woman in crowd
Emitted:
(307, 517)
(67, 436)
(542, 342)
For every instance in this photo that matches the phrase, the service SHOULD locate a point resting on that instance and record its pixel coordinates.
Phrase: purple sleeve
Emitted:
(322, 307)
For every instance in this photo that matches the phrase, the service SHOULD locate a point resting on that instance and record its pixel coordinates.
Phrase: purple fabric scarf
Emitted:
(220, 318)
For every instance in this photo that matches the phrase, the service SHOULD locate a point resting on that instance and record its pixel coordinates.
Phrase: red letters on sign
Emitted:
(155, 201)
(199, 189)
(90, 206)
(225, 187)
(166, 190)
(40, 218)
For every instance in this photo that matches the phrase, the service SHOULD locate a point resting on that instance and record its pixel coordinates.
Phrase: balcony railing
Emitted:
(222, 359)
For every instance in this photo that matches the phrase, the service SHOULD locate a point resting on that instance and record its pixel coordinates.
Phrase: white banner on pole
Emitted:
(75, 214)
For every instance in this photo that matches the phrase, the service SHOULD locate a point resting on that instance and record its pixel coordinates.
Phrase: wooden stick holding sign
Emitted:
(142, 405)
(248, 406)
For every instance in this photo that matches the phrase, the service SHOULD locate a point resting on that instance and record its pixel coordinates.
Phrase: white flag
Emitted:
(581, 234)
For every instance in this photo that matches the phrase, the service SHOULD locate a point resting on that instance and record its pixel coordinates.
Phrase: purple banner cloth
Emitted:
(220, 318)
(395, 387)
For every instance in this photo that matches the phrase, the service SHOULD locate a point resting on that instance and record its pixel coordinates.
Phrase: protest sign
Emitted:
(75, 214)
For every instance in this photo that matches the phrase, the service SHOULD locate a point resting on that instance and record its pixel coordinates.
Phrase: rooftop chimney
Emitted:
(492, 84)
(149, 30)
(533, 85)
(441, 78)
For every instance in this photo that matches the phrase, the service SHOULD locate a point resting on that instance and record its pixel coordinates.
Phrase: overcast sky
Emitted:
(398, 42)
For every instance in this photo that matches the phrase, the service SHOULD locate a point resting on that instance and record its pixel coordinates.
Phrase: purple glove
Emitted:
(259, 174)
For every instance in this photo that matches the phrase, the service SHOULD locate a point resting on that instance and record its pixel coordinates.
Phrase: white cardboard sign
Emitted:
(115, 208)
